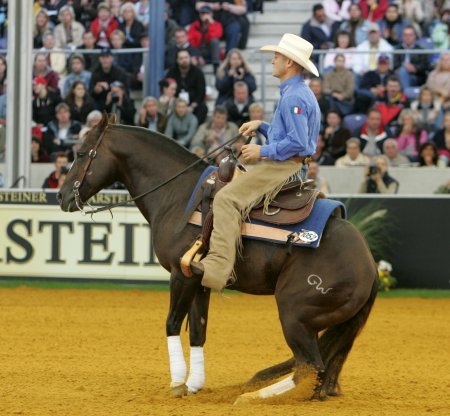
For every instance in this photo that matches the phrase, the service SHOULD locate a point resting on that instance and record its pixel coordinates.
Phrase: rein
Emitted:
(93, 153)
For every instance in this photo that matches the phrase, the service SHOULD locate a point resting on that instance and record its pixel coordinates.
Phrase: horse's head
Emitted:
(92, 170)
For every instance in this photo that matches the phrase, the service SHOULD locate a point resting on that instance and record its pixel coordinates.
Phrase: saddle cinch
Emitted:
(293, 204)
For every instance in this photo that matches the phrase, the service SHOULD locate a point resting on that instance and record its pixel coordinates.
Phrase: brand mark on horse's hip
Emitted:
(316, 281)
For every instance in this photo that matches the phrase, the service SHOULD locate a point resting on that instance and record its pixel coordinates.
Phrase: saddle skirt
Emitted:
(296, 215)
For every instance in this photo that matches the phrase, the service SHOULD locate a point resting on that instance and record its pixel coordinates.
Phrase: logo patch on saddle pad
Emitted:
(308, 236)
(296, 110)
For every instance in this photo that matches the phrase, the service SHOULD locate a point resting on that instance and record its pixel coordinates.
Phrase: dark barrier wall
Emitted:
(420, 232)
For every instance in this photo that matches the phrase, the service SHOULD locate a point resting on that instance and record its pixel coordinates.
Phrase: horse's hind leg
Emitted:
(272, 373)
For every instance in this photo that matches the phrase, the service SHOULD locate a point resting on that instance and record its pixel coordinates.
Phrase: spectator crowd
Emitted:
(383, 101)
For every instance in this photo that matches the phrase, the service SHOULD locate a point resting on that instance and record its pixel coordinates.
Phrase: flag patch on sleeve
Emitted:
(296, 110)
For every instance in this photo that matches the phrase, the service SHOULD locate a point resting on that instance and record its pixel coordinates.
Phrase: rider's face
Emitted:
(279, 65)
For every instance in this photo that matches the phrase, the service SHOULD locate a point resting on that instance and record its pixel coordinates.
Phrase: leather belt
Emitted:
(301, 159)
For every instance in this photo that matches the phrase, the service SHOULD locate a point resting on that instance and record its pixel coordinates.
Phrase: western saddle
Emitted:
(292, 204)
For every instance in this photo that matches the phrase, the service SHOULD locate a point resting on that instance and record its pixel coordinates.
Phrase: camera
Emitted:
(373, 170)
(114, 96)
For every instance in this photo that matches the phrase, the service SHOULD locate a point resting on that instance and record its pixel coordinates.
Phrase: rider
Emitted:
(291, 138)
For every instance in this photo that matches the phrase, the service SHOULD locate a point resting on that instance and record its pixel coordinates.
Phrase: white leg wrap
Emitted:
(281, 387)
(196, 379)
(177, 362)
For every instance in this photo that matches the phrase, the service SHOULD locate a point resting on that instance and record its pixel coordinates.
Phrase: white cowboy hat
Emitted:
(295, 48)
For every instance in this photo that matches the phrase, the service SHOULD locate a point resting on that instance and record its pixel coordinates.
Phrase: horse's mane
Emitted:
(163, 142)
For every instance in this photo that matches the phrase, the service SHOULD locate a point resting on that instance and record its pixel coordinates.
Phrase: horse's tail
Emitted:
(337, 341)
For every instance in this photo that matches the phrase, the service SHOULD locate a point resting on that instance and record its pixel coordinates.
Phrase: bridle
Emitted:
(93, 153)
(79, 181)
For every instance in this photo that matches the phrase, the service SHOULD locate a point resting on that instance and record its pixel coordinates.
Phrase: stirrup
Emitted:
(193, 254)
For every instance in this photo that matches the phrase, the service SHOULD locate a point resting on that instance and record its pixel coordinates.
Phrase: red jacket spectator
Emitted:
(103, 25)
(197, 36)
(373, 10)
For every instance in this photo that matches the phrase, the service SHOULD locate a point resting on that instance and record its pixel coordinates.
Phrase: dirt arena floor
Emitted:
(103, 353)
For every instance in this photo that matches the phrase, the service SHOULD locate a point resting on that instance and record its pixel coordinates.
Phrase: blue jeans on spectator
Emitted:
(407, 79)
(232, 34)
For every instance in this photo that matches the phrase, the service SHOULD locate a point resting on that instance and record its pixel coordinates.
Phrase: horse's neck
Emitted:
(147, 167)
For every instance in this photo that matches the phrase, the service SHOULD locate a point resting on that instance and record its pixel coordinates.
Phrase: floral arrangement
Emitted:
(385, 280)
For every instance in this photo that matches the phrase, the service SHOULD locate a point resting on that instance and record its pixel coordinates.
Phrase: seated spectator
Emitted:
(373, 10)
(44, 102)
(228, 13)
(353, 155)
(42, 70)
(85, 11)
(343, 47)
(118, 102)
(61, 161)
(42, 24)
(390, 106)
(91, 59)
(79, 101)
(171, 27)
(181, 43)
(316, 87)
(318, 30)
(166, 101)
(77, 73)
(364, 62)
(442, 140)
(321, 184)
(69, 33)
(256, 112)
(213, 133)
(439, 35)
(392, 25)
(182, 124)
(62, 132)
(130, 25)
(410, 67)
(335, 135)
(338, 87)
(372, 134)
(142, 8)
(373, 85)
(103, 76)
(439, 79)
(191, 84)
(126, 61)
(377, 179)
(204, 34)
(183, 11)
(395, 159)
(150, 117)
(234, 68)
(322, 156)
(3, 73)
(238, 105)
(412, 10)
(92, 119)
(56, 60)
(429, 156)
(38, 153)
(337, 10)
(356, 26)
(103, 25)
(426, 110)
(410, 135)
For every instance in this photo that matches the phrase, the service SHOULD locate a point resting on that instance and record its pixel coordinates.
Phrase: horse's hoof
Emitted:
(178, 390)
(247, 397)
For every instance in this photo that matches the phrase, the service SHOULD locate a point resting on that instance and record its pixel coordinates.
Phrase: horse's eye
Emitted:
(80, 155)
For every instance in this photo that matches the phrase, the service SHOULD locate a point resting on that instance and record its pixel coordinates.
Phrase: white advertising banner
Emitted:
(37, 239)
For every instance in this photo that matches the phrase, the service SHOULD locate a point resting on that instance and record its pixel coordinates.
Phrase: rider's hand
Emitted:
(250, 128)
(251, 152)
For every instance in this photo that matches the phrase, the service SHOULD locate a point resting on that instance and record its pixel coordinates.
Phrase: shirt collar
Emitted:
(290, 81)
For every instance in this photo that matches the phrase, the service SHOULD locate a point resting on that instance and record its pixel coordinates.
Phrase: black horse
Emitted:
(329, 290)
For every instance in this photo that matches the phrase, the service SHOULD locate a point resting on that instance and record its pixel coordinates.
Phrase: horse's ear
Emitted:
(113, 118)
(103, 122)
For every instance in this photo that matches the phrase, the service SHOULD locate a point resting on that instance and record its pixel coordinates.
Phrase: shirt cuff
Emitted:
(263, 128)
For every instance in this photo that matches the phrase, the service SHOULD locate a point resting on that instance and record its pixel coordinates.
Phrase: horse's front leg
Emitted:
(182, 293)
(198, 320)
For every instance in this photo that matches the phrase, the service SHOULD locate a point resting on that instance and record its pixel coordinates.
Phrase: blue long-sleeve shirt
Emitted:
(295, 125)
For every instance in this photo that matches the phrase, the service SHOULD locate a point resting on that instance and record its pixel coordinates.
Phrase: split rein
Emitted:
(93, 153)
